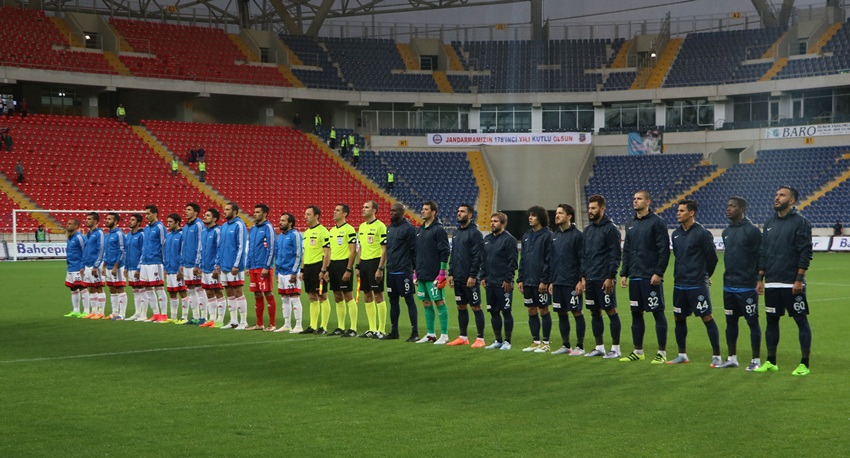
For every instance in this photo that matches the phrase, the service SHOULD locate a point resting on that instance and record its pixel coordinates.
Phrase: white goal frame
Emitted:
(14, 254)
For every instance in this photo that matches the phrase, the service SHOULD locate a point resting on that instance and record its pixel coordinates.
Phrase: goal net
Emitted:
(41, 234)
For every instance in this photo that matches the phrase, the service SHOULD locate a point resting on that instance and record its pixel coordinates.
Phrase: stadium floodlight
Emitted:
(13, 255)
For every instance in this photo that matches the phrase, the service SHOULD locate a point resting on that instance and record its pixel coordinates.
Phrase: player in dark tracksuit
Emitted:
(533, 279)
(741, 240)
(646, 253)
(401, 257)
(497, 277)
(696, 259)
(784, 258)
(565, 265)
(432, 260)
(467, 254)
(599, 261)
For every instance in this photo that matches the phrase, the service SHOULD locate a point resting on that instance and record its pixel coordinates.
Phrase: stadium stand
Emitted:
(278, 166)
(699, 63)
(444, 177)
(28, 37)
(190, 53)
(318, 71)
(832, 207)
(835, 58)
(25, 222)
(369, 64)
(77, 163)
(619, 81)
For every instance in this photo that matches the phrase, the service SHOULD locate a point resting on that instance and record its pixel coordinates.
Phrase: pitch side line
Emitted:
(154, 350)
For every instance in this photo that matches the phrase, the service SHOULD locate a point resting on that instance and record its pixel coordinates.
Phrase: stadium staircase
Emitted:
(841, 179)
(287, 73)
(363, 179)
(485, 187)
(775, 69)
(73, 39)
(250, 56)
(123, 44)
(665, 62)
(410, 61)
(185, 171)
(696, 187)
(13, 198)
(293, 58)
(824, 39)
(443, 83)
(116, 63)
(622, 58)
(455, 64)
(771, 51)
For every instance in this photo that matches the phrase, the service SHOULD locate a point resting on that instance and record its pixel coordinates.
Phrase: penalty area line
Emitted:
(153, 350)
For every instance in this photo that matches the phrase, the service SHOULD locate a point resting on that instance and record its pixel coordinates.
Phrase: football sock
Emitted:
(153, 302)
(191, 302)
(326, 313)
(581, 329)
(681, 335)
(86, 300)
(163, 300)
(564, 328)
(314, 314)
(805, 335)
(102, 302)
(479, 322)
(340, 306)
(443, 313)
(598, 326)
(660, 328)
(508, 320)
(212, 308)
(771, 337)
(175, 303)
(496, 322)
(547, 326)
(638, 329)
(272, 306)
(135, 302)
(732, 334)
(395, 312)
(184, 307)
(243, 309)
(534, 326)
(370, 316)
(231, 306)
(75, 301)
(616, 326)
(353, 314)
(463, 321)
(113, 302)
(219, 308)
(382, 317)
(713, 335)
(122, 304)
(286, 309)
(297, 309)
(429, 319)
(412, 313)
(755, 335)
(202, 303)
(259, 307)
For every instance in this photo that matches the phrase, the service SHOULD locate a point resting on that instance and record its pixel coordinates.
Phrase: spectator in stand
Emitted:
(7, 140)
(201, 154)
(351, 140)
(9, 107)
(193, 156)
(390, 180)
(120, 112)
(296, 121)
(355, 155)
(838, 229)
(317, 121)
(202, 170)
(343, 147)
(332, 136)
(19, 170)
(174, 167)
(40, 234)
(24, 108)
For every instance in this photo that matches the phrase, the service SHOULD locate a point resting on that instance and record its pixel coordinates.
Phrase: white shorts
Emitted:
(131, 278)
(189, 277)
(286, 287)
(115, 280)
(73, 279)
(208, 282)
(151, 274)
(173, 284)
(228, 279)
(92, 281)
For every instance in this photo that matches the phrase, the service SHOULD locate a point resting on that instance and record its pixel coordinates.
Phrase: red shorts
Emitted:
(259, 283)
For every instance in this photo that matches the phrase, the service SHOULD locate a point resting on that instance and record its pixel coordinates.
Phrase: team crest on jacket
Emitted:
(700, 298)
(653, 294)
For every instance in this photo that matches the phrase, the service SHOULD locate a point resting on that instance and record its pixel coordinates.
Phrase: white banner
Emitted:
(820, 243)
(817, 130)
(841, 244)
(550, 138)
(37, 250)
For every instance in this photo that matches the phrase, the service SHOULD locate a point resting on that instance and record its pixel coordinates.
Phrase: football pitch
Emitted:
(73, 387)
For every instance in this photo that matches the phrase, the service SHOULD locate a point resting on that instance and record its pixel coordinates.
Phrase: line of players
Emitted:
(560, 268)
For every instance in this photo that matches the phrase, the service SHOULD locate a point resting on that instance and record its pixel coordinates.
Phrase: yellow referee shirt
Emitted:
(371, 236)
(341, 237)
(315, 239)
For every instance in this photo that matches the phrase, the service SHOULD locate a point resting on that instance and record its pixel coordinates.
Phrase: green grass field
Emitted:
(74, 387)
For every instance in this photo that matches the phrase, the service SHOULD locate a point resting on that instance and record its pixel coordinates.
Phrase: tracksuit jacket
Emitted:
(432, 249)
(601, 251)
(696, 256)
(786, 246)
(467, 252)
(500, 258)
(646, 251)
(534, 264)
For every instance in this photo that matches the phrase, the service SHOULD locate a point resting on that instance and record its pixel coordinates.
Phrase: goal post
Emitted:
(55, 220)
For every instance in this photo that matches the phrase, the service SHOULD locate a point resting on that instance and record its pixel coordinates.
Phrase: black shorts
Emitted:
(311, 278)
(595, 297)
(687, 301)
(367, 269)
(400, 284)
(778, 300)
(336, 269)
(467, 296)
(742, 303)
(497, 299)
(531, 298)
(644, 296)
(565, 299)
